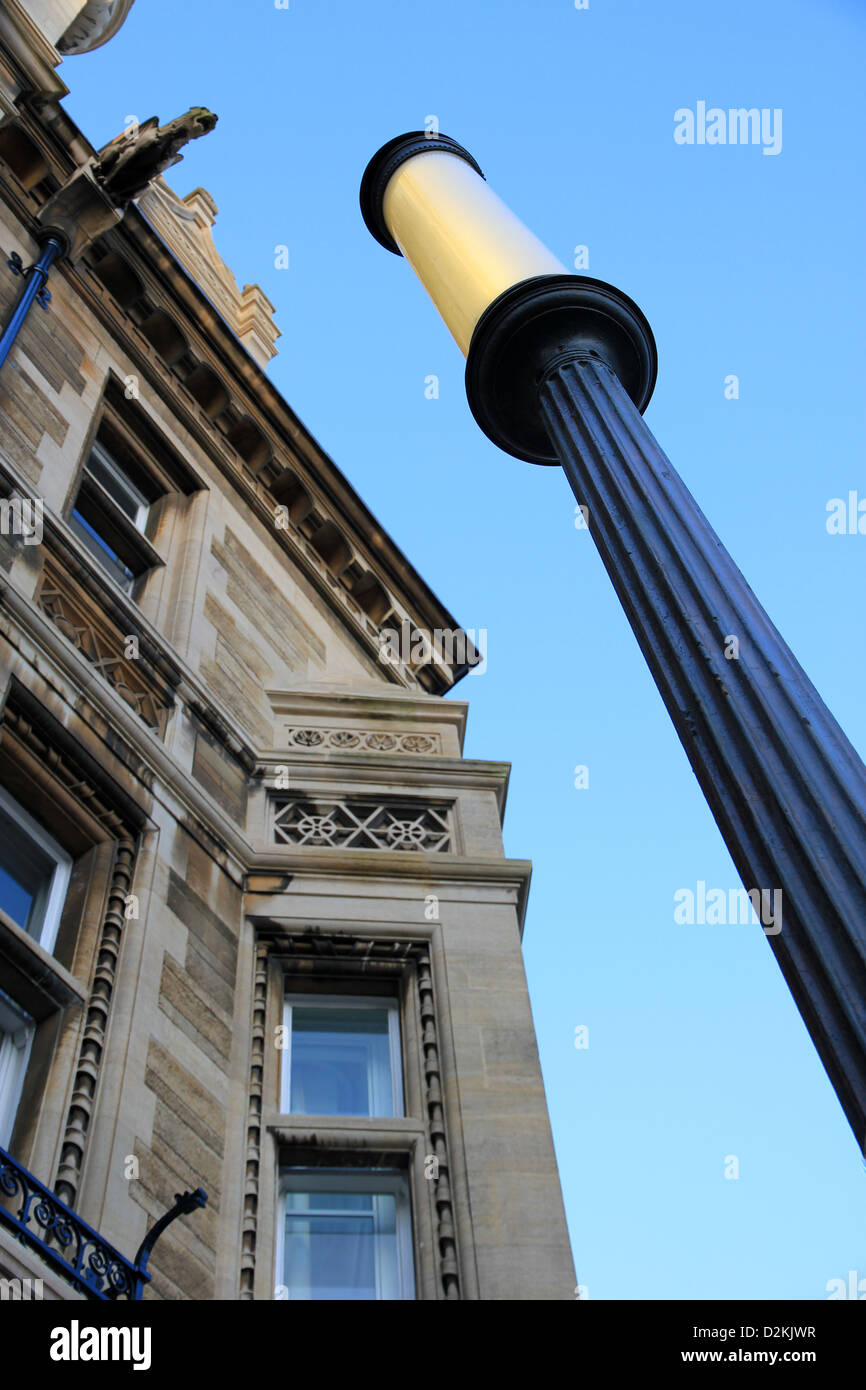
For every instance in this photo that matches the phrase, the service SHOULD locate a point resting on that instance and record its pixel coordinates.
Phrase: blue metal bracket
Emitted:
(184, 1202)
(35, 277)
(16, 265)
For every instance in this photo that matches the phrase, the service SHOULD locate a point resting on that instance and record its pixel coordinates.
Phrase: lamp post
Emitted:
(559, 370)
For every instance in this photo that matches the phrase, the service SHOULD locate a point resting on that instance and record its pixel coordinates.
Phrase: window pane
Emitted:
(333, 1201)
(344, 1246)
(26, 872)
(102, 551)
(341, 1061)
(14, 898)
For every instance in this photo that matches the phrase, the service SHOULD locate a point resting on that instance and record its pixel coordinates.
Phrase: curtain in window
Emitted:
(341, 1246)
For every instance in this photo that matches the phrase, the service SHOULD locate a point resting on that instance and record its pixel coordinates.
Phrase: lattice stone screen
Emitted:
(359, 823)
(103, 644)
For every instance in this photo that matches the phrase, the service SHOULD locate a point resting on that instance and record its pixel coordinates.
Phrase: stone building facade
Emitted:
(257, 930)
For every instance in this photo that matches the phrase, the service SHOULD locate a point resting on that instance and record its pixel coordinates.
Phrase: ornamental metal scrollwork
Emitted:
(68, 1243)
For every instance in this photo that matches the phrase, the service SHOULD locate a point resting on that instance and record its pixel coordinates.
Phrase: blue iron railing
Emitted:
(74, 1249)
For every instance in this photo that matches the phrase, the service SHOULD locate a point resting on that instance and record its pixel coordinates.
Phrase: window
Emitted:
(110, 476)
(34, 873)
(133, 481)
(16, 1035)
(341, 1056)
(109, 510)
(345, 1234)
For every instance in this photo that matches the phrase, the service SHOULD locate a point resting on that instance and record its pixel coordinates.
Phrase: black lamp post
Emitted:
(559, 369)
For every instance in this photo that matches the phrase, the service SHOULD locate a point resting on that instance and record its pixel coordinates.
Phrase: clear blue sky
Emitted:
(744, 263)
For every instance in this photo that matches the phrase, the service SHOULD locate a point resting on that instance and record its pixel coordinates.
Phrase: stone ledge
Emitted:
(20, 1262)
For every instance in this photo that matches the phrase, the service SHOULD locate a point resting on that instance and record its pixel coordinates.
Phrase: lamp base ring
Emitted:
(532, 327)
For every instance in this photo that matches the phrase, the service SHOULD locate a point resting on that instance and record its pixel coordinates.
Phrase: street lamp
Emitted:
(559, 370)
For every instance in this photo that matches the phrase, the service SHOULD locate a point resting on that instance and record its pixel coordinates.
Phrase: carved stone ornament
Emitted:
(96, 22)
(127, 164)
(362, 739)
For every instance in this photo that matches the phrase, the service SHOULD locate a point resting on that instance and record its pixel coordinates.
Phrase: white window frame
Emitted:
(59, 878)
(101, 549)
(338, 1001)
(16, 1038)
(376, 1180)
(142, 505)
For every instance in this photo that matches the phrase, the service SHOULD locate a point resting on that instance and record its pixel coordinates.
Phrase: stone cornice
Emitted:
(251, 491)
(44, 974)
(398, 1133)
(388, 703)
(264, 404)
(35, 57)
(204, 819)
(333, 865)
(316, 705)
(333, 768)
(217, 345)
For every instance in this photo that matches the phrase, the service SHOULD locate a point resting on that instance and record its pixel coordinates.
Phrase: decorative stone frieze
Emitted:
(362, 740)
(96, 1026)
(103, 646)
(254, 1125)
(366, 717)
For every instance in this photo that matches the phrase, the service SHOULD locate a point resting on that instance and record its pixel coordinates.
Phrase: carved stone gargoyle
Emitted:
(95, 197)
(127, 164)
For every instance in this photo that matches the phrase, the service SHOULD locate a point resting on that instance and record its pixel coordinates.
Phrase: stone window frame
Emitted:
(96, 513)
(68, 993)
(155, 467)
(18, 1025)
(309, 960)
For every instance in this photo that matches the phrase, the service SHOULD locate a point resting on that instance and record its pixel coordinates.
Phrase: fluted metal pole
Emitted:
(784, 784)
